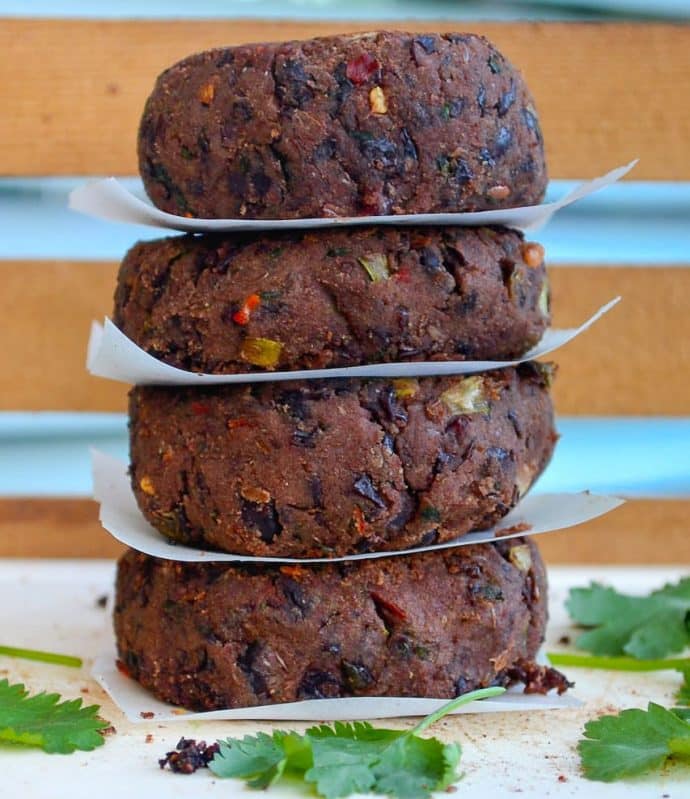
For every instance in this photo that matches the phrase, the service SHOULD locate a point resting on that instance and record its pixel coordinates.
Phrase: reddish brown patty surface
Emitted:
(331, 468)
(209, 636)
(378, 123)
(327, 299)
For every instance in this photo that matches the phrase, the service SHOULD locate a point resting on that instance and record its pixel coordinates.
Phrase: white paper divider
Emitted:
(121, 517)
(133, 700)
(108, 199)
(113, 355)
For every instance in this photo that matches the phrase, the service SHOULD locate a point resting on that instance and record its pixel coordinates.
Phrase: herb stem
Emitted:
(42, 657)
(449, 707)
(679, 746)
(618, 663)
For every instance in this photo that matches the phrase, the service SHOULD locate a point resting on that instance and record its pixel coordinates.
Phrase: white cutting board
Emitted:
(52, 605)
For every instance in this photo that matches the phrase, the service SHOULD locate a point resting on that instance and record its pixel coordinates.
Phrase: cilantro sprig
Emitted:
(624, 663)
(44, 721)
(633, 742)
(345, 758)
(645, 627)
(633, 633)
(40, 656)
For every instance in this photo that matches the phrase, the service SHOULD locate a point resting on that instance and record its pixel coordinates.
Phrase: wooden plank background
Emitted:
(73, 91)
(641, 531)
(635, 361)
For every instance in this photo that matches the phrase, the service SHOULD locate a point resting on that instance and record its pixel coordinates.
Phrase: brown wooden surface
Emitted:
(73, 91)
(641, 531)
(634, 361)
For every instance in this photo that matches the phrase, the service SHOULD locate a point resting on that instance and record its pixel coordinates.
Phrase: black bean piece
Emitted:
(294, 403)
(468, 302)
(364, 486)
(305, 438)
(408, 146)
(532, 123)
(345, 86)
(504, 139)
(316, 489)
(357, 675)
(481, 98)
(261, 182)
(295, 593)
(428, 538)
(291, 84)
(326, 150)
(403, 517)
(381, 151)
(394, 410)
(430, 260)
(262, 517)
(317, 684)
(506, 100)
(427, 43)
(246, 662)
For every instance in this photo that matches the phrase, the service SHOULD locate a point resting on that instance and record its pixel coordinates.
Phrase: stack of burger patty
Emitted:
(375, 124)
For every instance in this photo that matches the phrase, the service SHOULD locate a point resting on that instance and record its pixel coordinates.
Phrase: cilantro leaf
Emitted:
(260, 759)
(413, 767)
(642, 626)
(42, 720)
(633, 742)
(353, 757)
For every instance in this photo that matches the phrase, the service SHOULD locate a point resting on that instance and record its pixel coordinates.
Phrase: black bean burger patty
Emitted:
(332, 299)
(337, 467)
(211, 636)
(374, 123)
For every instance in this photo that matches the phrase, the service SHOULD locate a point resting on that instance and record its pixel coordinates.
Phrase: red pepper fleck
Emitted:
(394, 610)
(403, 274)
(358, 519)
(252, 302)
(296, 572)
(120, 666)
(200, 408)
(240, 422)
(360, 69)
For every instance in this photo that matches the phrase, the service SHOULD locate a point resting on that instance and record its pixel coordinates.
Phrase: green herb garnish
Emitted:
(683, 695)
(376, 266)
(345, 758)
(43, 657)
(430, 514)
(646, 627)
(44, 721)
(623, 663)
(633, 742)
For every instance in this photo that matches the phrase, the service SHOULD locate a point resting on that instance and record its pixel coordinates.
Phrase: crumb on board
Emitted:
(188, 756)
(523, 527)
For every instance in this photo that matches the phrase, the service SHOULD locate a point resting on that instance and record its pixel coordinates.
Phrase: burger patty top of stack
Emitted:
(377, 123)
